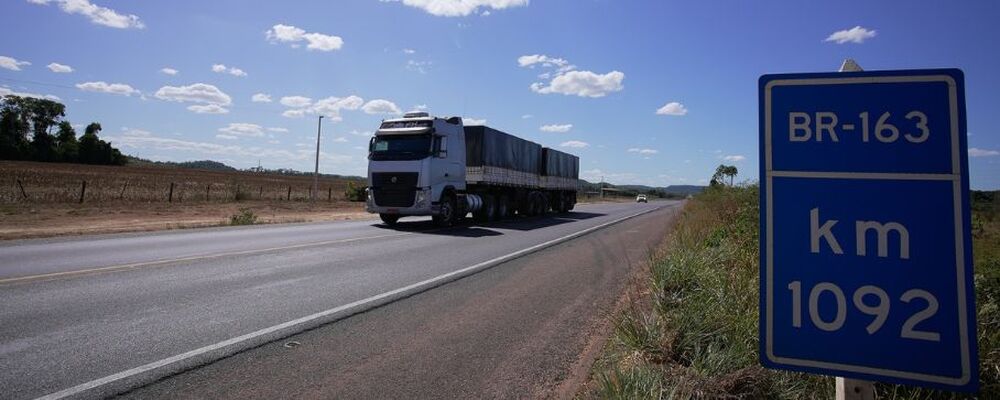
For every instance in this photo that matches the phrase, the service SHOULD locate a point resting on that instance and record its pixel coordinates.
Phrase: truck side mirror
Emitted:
(442, 148)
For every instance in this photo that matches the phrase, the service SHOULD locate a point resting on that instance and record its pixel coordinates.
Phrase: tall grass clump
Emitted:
(697, 327)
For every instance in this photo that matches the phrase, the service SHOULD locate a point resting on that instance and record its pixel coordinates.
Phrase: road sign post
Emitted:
(866, 268)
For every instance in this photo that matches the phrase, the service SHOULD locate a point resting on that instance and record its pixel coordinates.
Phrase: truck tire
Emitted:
(503, 208)
(389, 219)
(482, 214)
(543, 204)
(448, 214)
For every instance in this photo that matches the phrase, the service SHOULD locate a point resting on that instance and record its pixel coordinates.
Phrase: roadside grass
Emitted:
(690, 331)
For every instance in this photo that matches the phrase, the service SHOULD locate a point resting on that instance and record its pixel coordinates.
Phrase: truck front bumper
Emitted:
(421, 205)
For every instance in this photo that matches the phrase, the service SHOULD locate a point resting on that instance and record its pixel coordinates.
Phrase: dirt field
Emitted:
(47, 220)
(44, 199)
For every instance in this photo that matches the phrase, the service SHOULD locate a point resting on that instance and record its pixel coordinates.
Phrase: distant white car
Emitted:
(641, 199)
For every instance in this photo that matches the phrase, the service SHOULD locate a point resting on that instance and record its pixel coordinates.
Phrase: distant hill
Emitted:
(201, 164)
(669, 191)
(210, 165)
(684, 189)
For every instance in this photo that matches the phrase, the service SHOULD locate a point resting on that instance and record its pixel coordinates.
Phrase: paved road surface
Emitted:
(81, 310)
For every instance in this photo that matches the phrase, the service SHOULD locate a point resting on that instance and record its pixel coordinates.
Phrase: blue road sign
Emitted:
(866, 255)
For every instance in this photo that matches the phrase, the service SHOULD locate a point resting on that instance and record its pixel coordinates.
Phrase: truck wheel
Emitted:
(482, 214)
(543, 204)
(447, 214)
(503, 210)
(389, 219)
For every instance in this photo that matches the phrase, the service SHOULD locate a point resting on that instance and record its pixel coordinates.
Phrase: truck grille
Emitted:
(394, 189)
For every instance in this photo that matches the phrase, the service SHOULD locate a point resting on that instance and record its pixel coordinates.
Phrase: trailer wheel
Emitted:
(543, 204)
(490, 208)
(503, 208)
(389, 219)
(448, 213)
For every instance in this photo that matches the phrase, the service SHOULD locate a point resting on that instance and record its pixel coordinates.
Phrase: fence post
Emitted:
(23, 193)
(207, 187)
(122, 195)
(236, 196)
(260, 194)
(289, 193)
(329, 193)
(170, 197)
(83, 191)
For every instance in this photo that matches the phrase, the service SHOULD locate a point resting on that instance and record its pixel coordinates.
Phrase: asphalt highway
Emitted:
(205, 313)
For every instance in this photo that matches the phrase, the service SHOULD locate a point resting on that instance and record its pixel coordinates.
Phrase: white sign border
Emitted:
(956, 179)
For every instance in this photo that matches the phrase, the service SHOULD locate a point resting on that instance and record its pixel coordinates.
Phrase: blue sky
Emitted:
(176, 80)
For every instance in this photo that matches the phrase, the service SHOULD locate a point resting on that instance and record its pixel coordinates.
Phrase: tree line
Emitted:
(26, 126)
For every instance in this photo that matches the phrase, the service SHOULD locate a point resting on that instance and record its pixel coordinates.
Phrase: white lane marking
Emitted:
(403, 291)
(54, 275)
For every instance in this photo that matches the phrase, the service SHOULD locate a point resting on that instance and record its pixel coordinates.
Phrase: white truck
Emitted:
(423, 165)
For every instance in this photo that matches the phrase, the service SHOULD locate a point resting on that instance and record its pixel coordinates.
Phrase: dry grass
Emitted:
(46, 183)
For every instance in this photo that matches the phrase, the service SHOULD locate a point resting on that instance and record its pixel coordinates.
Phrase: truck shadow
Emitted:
(531, 223)
(428, 227)
(469, 228)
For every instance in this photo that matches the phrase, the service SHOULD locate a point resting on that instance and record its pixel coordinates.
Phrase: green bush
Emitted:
(244, 217)
(354, 192)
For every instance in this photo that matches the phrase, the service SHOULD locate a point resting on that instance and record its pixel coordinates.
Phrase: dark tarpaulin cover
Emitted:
(489, 147)
(557, 163)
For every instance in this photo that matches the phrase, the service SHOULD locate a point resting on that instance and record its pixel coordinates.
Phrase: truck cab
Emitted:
(416, 166)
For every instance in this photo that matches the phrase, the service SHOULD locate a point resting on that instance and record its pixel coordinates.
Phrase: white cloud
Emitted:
(207, 109)
(243, 129)
(556, 128)
(977, 152)
(473, 121)
(161, 143)
(380, 106)
(418, 66)
(169, 71)
(227, 137)
(12, 63)
(5, 91)
(409, 51)
(672, 108)
(420, 107)
(110, 88)
(340, 139)
(59, 68)
(527, 116)
(574, 144)
(197, 93)
(297, 113)
(295, 101)
(645, 152)
(277, 129)
(261, 98)
(856, 34)
(329, 107)
(461, 8)
(222, 69)
(582, 83)
(97, 14)
(734, 158)
(544, 60)
(315, 41)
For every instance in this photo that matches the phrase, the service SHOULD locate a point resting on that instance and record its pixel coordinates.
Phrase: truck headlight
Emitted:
(422, 197)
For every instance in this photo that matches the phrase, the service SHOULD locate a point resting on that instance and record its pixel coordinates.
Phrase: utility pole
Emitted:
(319, 129)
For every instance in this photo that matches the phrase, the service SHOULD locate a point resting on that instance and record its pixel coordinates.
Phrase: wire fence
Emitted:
(69, 183)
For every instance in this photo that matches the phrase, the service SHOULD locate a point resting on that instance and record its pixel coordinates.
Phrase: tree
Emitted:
(721, 172)
(90, 146)
(13, 129)
(67, 147)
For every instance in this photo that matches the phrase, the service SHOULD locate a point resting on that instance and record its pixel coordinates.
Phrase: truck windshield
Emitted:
(400, 147)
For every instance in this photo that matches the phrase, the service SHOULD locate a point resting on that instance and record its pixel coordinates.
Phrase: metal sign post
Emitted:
(866, 259)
